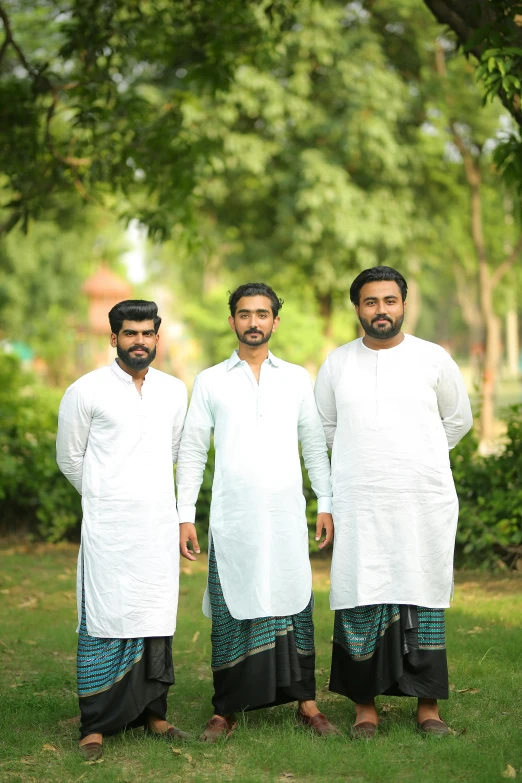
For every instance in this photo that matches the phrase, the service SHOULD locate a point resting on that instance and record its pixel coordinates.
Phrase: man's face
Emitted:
(136, 343)
(254, 322)
(381, 309)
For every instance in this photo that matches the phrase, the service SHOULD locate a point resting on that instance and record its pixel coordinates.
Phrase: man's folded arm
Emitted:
(74, 423)
(453, 402)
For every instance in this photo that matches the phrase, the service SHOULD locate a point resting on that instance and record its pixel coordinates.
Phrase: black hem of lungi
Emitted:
(397, 667)
(266, 679)
(127, 702)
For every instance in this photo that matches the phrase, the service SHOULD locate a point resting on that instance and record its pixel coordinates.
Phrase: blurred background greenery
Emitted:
(173, 150)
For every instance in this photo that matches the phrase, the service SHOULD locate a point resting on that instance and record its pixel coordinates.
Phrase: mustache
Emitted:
(138, 348)
(381, 318)
(253, 331)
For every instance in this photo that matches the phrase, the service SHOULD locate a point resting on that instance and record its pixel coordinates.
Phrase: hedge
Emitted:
(36, 500)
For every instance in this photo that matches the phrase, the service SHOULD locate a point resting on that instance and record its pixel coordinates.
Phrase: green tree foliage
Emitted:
(41, 277)
(491, 30)
(93, 94)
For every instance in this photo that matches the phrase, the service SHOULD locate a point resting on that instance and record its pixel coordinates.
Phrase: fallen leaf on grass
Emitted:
(30, 603)
(452, 686)
(470, 631)
(28, 641)
(195, 637)
(468, 690)
(90, 763)
(28, 761)
(509, 772)
(388, 707)
(49, 747)
(176, 751)
(188, 757)
(287, 776)
(458, 733)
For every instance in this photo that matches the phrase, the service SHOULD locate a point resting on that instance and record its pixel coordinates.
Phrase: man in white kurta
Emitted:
(392, 406)
(118, 436)
(259, 409)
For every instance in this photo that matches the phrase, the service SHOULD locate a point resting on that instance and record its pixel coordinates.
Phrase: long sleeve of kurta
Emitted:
(193, 452)
(74, 422)
(453, 402)
(177, 429)
(313, 446)
(326, 405)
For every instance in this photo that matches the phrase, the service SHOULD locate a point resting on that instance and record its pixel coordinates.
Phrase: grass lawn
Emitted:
(38, 706)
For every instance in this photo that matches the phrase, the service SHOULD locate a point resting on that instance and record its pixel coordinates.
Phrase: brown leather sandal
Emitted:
(91, 751)
(319, 723)
(364, 730)
(172, 733)
(433, 727)
(218, 728)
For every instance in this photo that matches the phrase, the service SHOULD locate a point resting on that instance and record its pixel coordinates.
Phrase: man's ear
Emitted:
(276, 323)
(114, 339)
(232, 323)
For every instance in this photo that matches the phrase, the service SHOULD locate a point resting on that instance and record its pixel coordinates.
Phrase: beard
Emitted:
(246, 338)
(136, 362)
(384, 332)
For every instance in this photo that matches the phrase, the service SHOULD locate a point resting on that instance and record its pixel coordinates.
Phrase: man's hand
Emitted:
(187, 532)
(324, 522)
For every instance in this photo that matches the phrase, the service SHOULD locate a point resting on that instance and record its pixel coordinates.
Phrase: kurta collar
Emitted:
(124, 376)
(234, 360)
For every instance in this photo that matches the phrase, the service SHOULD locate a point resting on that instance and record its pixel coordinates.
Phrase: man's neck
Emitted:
(378, 345)
(254, 355)
(137, 375)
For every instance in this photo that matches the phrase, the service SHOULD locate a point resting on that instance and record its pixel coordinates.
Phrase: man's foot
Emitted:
(428, 718)
(91, 747)
(160, 728)
(219, 727)
(366, 721)
(427, 709)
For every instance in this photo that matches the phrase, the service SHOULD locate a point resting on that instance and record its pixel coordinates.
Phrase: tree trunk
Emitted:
(512, 342)
(414, 297)
(325, 301)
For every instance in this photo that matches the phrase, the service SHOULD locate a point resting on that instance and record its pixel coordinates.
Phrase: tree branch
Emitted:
(506, 265)
(465, 18)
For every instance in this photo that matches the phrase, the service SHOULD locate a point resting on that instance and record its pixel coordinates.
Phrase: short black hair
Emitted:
(133, 310)
(376, 274)
(255, 289)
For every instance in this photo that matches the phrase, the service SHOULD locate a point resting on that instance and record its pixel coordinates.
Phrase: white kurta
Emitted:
(117, 448)
(257, 517)
(391, 417)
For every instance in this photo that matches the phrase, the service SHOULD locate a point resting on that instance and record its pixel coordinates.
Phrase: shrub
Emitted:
(34, 495)
(490, 497)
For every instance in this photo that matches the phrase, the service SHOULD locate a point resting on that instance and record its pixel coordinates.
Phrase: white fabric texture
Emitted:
(391, 417)
(117, 448)
(257, 517)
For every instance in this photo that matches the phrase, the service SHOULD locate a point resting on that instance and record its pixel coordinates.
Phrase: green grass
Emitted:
(38, 707)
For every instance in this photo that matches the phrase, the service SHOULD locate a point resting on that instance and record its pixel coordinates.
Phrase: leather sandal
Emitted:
(319, 724)
(364, 730)
(172, 733)
(91, 751)
(218, 728)
(433, 727)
